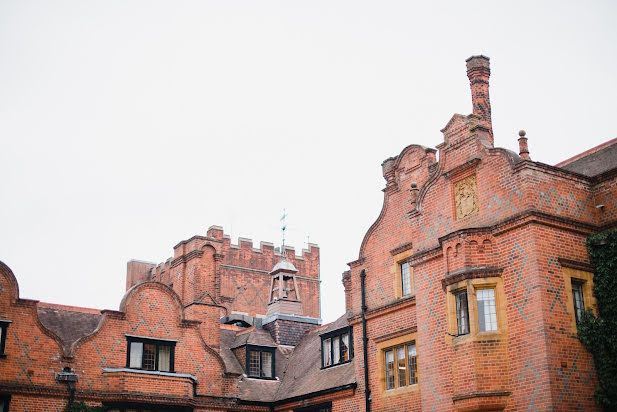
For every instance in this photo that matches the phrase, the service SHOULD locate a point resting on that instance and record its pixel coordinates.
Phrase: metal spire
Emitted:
(283, 227)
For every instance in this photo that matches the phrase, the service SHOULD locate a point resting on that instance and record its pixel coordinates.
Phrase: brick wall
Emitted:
(525, 219)
(287, 332)
(237, 277)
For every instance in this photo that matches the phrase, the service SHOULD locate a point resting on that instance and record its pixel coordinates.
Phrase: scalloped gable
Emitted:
(413, 165)
(454, 128)
(9, 289)
(149, 307)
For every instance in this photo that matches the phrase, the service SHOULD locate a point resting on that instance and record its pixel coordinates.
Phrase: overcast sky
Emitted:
(128, 126)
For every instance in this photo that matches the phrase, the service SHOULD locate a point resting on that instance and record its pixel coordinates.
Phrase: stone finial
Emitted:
(478, 72)
(389, 172)
(523, 150)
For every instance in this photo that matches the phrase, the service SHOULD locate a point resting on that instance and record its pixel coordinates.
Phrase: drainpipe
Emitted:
(367, 391)
(67, 375)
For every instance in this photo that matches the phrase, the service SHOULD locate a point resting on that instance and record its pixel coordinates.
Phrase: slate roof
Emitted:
(253, 336)
(232, 365)
(298, 370)
(68, 323)
(304, 374)
(595, 161)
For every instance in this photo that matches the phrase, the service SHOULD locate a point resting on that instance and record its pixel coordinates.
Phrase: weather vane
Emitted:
(283, 227)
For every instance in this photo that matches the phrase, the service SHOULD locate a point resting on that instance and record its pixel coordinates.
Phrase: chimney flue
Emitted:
(478, 71)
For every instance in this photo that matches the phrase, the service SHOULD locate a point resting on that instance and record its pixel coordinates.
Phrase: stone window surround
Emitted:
(395, 273)
(586, 279)
(382, 347)
(471, 285)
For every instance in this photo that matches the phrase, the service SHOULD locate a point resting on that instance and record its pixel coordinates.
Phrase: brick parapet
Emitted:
(235, 276)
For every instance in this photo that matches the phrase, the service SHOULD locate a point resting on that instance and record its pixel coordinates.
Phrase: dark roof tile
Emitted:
(69, 325)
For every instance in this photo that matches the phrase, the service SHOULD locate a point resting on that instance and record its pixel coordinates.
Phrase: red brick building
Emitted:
(464, 297)
(475, 270)
(218, 327)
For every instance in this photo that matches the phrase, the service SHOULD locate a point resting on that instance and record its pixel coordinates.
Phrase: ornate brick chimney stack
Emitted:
(478, 71)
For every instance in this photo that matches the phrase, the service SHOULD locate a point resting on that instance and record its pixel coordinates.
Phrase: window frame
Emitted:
(577, 292)
(585, 279)
(331, 335)
(383, 347)
(399, 257)
(402, 265)
(471, 287)
(261, 350)
(151, 341)
(458, 303)
(7, 400)
(315, 408)
(4, 327)
(396, 369)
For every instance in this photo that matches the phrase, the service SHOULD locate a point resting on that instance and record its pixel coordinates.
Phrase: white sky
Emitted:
(127, 126)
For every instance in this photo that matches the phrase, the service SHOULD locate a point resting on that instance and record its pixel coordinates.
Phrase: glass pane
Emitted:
(336, 350)
(327, 352)
(164, 358)
(462, 313)
(487, 315)
(401, 366)
(266, 359)
(148, 356)
(577, 295)
(412, 365)
(390, 369)
(254, 363)
(136, 353)
(345, 347)
(405, 279)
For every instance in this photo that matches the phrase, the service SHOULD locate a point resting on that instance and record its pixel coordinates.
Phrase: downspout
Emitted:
(367, 391)
(67, 375)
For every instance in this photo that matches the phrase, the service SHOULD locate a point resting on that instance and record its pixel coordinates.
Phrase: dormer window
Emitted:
(336, 347)
(260, 362)
(150, 354)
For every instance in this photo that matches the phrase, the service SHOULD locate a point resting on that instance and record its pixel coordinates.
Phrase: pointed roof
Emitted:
(283, 265)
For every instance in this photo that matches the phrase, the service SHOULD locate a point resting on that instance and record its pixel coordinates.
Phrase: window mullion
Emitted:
(156, 357)
(261, 365)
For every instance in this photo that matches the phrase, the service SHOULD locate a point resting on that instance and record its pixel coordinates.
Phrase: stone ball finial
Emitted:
(522, 133)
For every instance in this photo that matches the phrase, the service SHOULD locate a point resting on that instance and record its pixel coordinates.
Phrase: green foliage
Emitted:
(599, 335)
(82, 407)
